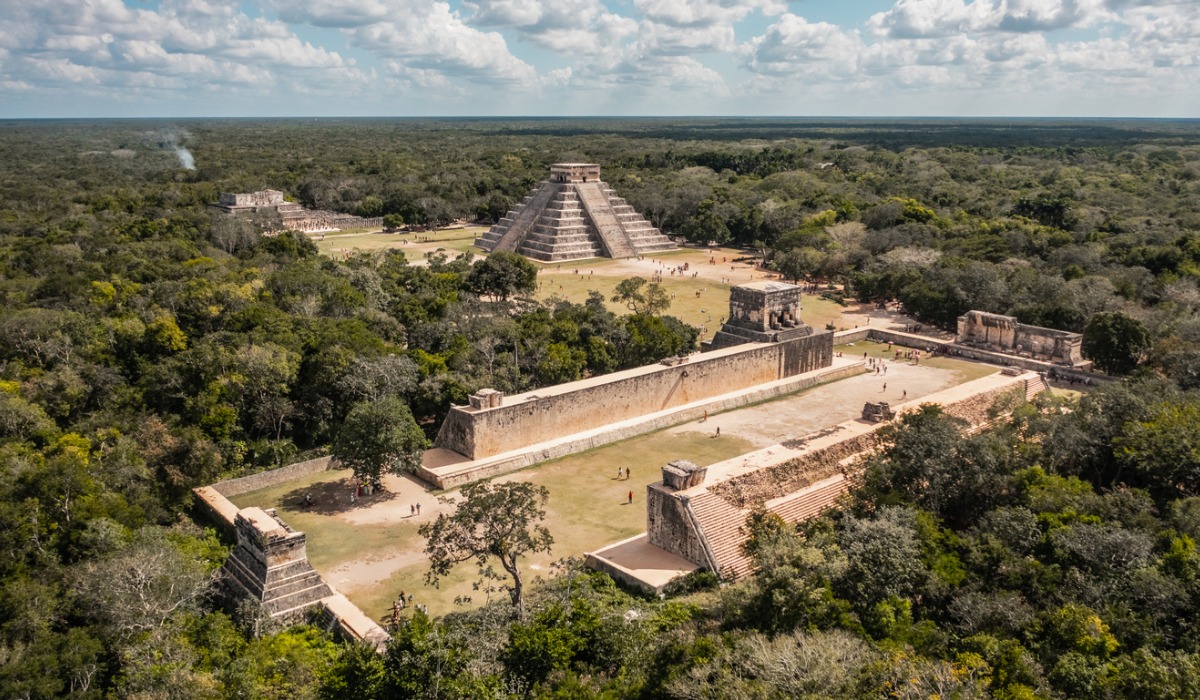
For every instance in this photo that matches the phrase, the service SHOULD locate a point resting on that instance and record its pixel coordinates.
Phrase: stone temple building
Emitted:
(1003, 334)
(293, 217)
(762, 312)
(574, 215)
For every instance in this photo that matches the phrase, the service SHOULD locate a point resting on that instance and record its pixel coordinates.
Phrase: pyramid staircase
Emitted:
(572, 220)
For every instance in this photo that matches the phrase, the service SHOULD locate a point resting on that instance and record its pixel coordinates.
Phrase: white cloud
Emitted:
(439, 40)
(793, 45)
(698, 13)
(570, 27)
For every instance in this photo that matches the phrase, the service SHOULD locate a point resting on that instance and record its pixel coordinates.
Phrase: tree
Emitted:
(1115, 342)
(391, 222)
(379, 436)
(502, 275)
(798, 263)
(493, 520)
(642, 297)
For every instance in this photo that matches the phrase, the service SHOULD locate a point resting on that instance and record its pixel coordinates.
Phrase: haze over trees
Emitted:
(148, 346)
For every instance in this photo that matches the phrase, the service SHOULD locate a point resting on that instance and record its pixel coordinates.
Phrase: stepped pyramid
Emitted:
(574, 215)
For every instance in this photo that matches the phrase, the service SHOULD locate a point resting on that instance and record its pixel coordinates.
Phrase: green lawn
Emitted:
(587, 509)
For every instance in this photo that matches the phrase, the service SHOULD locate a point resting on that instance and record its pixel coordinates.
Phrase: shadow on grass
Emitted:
(332, 498)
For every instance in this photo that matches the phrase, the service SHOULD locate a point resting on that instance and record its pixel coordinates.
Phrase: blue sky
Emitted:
(176, 58)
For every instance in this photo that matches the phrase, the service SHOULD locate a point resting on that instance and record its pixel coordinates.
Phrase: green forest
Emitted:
(150, 344)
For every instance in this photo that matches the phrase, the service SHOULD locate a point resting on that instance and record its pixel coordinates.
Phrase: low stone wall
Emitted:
(486, 469)
(272, 477)
(758, 487)
(778, 480)
(535, 417)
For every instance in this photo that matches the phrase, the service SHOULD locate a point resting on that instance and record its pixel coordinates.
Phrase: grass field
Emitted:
(454, 240)
(587, 510)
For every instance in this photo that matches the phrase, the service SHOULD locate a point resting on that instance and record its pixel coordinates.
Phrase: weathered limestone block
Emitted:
(762, 312)
(683, 474)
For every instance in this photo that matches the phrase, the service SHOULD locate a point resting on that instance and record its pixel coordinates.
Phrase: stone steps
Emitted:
(722, 529)
(812, 501)
(559, 221)
(612, 234)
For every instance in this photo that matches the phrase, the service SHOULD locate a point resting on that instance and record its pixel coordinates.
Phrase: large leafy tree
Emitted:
(641, 297)
(500, 521)
(502, 275)
(1115, 341)
(380, 436)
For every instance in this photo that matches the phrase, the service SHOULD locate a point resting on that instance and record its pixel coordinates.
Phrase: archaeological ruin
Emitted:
(696, 515)
(269, 564)
(293, 217)
(1003, 334)
(574, 215)
(762, 312)
(493, 423)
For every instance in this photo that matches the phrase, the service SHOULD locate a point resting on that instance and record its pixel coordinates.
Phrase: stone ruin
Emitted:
(1003, 334)
(762, 312)
(269, 564)
(571, 216)
(877, 412)
(486, 398)
(293, 216)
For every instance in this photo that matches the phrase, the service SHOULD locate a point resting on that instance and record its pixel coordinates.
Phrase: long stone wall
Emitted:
(272, 477)
(532, 418)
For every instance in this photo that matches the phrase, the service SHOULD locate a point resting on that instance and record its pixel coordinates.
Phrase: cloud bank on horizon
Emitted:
(81, 58)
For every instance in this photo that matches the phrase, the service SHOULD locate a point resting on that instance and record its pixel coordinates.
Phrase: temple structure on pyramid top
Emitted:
(574, 215)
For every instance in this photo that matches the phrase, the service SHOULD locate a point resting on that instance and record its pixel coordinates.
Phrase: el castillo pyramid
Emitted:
(574, 215)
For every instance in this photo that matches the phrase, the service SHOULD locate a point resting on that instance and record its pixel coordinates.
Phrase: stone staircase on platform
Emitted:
(508, 234)
(599, 209)
(269, 564)
(722, 528)
(812, 501)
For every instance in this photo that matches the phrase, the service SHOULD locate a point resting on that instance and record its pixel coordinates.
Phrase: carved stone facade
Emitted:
(571, 216)
(269, 564)
(762, 312)
(293, 217)
(1003, 334)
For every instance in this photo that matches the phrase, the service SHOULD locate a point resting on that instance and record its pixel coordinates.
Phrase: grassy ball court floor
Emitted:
(371, 550)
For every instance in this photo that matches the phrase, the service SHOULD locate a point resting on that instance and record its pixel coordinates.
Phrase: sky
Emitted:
(219, 58)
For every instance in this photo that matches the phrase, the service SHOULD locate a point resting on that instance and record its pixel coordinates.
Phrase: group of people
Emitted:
(401, 603)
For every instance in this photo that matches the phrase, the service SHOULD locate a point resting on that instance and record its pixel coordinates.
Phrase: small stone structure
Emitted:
(1003, 334)
(571, 216)
(762, 312)
(269, 564)
(876, 412)
(294, 217)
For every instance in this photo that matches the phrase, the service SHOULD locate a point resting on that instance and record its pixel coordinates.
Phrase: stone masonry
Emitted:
(762, 312)
(493, 424)
(1003, 334)
(293, 216)
(571, 216)
(269, 564)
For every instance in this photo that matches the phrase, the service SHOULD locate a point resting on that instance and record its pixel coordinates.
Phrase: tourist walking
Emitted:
(631, 496)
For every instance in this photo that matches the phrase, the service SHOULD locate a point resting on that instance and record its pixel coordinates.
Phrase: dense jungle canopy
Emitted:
(149, 345)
